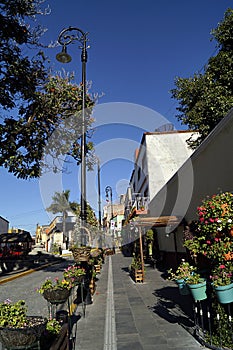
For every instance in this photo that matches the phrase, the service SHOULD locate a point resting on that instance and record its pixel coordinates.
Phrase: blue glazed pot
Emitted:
(224, 293)
(198, 290)
(183, 288)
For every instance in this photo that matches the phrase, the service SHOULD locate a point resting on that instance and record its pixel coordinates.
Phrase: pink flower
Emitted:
(222, 266)
(211, 220)
(208, 242)
(216, 239)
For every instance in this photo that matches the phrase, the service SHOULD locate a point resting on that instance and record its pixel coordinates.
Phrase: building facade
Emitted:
(208, 171)
(159, 156)
(4, 225)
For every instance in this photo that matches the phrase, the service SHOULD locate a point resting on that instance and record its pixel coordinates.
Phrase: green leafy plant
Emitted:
(222, 275)
(13, 314)
(53, 326)
(55, 284)
(136, 263)
(222, 327)
(150, 235)
(184, 271)
(195, 279)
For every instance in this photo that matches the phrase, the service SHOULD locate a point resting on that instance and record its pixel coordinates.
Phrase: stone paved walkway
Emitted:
(125, 315)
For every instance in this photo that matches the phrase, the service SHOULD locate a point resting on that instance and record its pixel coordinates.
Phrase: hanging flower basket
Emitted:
(81, 253)
(56, 296)
(224, 293)
(21, 338)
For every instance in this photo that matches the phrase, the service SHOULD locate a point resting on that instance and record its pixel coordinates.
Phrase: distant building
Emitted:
(52, 234)
(4, 225)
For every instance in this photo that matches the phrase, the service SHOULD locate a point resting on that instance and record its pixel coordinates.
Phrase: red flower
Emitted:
(222, 266)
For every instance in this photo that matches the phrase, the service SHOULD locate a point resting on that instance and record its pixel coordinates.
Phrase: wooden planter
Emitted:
(97, 268)
(92, 286)
(137, 275)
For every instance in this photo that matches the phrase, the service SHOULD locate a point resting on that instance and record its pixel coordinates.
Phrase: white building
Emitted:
(159, 156)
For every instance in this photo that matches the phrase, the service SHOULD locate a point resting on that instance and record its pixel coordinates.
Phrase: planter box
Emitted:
(137, 275)
(92, 286)
(97, 268)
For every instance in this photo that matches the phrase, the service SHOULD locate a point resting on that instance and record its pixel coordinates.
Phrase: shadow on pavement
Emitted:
(173, 307)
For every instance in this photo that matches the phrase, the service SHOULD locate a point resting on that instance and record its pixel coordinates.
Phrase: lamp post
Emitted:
(108, 189)
(66, 37)
(99, 197)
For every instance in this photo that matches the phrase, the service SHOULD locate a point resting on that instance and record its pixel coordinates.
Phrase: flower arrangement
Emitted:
(222, 275)
(13, 314)
(73, 273)
(183, 272)
(55, 284)
(215, 215)
(212, 234)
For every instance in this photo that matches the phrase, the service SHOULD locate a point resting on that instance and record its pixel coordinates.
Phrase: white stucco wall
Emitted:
(166, 152)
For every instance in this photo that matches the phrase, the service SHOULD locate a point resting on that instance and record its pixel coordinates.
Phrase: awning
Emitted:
(160, 221)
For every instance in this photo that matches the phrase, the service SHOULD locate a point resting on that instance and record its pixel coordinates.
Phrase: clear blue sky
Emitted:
(137, 50)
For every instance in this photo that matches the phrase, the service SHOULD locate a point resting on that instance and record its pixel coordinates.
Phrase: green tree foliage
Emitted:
(40, 113)
(61, 204)
(204, 99)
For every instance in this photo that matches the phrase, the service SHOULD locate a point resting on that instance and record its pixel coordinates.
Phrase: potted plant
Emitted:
(74, 274)
(183, 272)
(17, 330)
(222, 282)
(56, 291)
(136, 269)
(197, 286)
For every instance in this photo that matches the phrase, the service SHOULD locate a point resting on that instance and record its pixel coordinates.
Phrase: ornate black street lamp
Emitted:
(66, 37)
